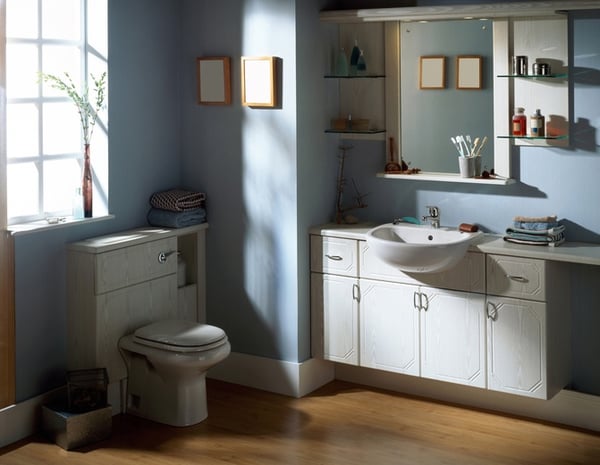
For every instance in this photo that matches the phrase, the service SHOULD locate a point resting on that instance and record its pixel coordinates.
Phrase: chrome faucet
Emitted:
(433, 216)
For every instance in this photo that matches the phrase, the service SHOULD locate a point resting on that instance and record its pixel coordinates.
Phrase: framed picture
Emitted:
(214, 80)
(258, 82)
(468, 72)
(432, 72)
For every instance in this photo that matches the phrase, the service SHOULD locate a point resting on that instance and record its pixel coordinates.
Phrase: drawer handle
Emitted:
(163, 256)
(337, 258)
(493, 314)
(520, 279)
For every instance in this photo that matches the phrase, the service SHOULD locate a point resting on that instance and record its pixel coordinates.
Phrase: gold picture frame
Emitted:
(468, 72)
(259, 82)
(432, 72)
(214, 80)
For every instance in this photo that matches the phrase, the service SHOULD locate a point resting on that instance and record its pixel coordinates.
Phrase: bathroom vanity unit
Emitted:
(499, 320)
(120, 282)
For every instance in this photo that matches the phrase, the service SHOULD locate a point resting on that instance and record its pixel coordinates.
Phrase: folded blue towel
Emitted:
(535, 226)
(538, 232)
(171, 219)
(551, 243)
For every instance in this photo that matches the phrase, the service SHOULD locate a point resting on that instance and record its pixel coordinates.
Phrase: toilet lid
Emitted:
(179, 334)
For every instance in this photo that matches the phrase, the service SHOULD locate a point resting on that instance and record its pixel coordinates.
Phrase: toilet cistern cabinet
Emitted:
(124, 281)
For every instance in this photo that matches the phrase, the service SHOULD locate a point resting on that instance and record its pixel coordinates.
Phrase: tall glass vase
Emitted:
(86, 186)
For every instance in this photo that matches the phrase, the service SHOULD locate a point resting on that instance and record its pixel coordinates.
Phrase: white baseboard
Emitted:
(23, 419)
(567, 407)
(287, 378)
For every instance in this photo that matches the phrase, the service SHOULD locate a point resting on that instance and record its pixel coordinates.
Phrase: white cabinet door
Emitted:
(389, 327)
(517, 346)
(453, 336)
(335, 298)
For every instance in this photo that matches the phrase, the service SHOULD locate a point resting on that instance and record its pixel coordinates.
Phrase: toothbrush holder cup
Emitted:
(466, 166)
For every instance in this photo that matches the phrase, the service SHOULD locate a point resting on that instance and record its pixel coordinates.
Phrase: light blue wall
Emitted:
(145, 154)
(248, 160)
(269, 174)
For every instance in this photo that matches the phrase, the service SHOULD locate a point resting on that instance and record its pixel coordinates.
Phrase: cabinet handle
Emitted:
(415, 304)
(521, 279)
(426, 306)
(356, 292)
(162, 256)
(337, 258)
(493, 314)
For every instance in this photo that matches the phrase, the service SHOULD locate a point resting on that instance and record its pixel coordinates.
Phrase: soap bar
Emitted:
(466, 227)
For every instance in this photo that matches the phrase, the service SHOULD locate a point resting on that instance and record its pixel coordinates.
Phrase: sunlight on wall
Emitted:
(269, 179)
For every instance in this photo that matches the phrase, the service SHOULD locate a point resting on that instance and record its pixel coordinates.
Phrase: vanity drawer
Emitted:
(135, 264)
(516, 277)
(334, 255)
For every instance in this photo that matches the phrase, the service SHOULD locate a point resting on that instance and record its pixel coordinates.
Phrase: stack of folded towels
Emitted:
(545, 230)
(177, 208)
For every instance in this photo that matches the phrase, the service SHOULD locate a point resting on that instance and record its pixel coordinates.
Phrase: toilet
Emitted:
(167, 363)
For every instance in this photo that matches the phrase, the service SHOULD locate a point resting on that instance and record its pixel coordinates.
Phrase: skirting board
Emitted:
(23, 419)
(567, 407)
(287, 378)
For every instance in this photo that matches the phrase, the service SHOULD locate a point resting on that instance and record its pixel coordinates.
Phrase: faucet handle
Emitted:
(434, 212)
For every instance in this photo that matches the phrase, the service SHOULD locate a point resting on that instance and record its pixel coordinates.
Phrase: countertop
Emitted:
(571, 252)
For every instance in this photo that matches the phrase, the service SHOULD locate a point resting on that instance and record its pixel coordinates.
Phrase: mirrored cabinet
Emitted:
(420, 120)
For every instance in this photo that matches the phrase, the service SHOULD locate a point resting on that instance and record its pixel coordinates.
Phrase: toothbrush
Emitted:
(483, 142)
(474, 147)
(457, 146)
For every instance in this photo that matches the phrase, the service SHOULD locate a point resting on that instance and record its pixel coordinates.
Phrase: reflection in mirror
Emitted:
(430, 117)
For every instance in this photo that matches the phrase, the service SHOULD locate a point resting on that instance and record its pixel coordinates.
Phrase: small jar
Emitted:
(537, 123)
(519, 65)
(519, 122)
(541, 69)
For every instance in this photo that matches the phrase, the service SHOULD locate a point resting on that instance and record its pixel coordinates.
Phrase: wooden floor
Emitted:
(339, 424)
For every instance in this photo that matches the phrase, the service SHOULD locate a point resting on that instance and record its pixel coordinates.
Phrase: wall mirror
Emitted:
(430, 117)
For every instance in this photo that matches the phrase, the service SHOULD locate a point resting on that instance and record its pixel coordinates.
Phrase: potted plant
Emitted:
(88, 115)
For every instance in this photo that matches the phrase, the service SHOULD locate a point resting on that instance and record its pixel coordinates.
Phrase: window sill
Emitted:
(43, 225)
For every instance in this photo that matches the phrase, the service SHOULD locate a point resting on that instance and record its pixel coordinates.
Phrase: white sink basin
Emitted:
(419, 248)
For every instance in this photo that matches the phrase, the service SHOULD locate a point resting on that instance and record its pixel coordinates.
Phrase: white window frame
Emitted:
(40, 159)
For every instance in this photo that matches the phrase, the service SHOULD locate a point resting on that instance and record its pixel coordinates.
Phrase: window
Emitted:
(44, 143)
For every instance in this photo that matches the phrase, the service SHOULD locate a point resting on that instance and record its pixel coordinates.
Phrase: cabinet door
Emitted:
(453, 336)
(389, 327)
(517, 346)
(335, 304)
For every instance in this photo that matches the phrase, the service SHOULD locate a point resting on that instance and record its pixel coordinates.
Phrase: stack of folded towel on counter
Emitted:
(177, 208)
(545, 230)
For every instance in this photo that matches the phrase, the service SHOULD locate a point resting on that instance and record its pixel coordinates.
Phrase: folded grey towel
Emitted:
(178, 200)
(170, 219)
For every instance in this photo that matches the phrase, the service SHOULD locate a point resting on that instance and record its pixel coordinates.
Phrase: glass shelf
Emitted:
(354, 76)
(563, 137)
(535, 76)
(350, 131)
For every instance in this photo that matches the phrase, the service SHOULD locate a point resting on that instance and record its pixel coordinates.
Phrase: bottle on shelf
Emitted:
(537, 124)
(341, 64)
(354, 56)
(361, 64)
(519, 122)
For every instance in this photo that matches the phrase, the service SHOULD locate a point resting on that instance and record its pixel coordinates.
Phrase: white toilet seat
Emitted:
(180, 336)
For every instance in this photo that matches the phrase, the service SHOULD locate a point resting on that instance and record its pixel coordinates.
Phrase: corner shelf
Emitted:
(354, 76)
(535, 76)
(563, 137)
